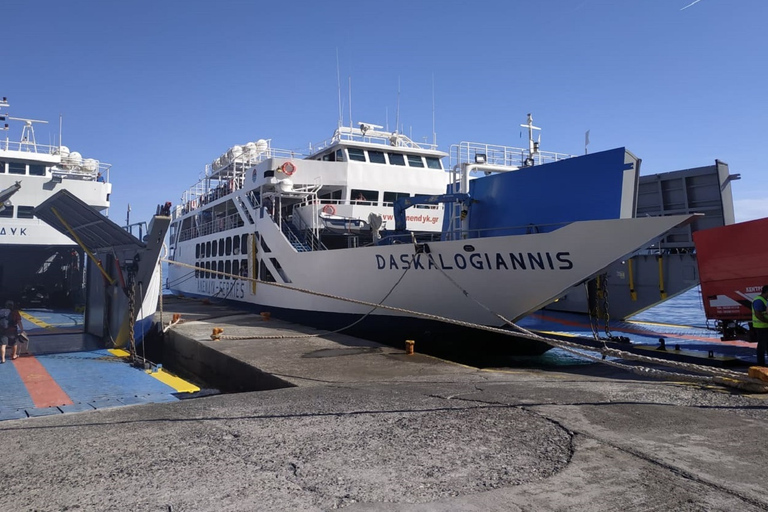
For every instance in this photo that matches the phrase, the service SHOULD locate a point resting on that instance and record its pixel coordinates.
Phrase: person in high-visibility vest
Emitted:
(760, 324)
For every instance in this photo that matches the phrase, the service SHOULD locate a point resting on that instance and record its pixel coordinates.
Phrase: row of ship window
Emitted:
(222, 269)
(22, 212)
(382, 157)
(231, 245)
(20, 168)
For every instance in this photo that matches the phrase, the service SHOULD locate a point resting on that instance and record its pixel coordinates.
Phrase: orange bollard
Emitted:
(409, 347)
(758, 372)
(265, 315)
(216, 334)
(176, 317)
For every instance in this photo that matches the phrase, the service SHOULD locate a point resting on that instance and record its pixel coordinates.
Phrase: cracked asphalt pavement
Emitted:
(461, 439)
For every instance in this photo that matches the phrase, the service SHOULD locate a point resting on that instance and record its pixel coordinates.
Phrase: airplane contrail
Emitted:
(690, 4)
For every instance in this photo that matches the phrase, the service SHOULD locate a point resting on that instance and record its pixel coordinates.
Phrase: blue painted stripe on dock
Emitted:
(100, 376)
(93, 380)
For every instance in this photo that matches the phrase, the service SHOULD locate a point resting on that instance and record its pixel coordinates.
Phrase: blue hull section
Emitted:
(545, 197)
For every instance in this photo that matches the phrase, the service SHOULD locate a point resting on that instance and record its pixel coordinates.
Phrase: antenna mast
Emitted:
(533, 147)
(28, 132)
(397, 115)
(338, 85)
(434, 133)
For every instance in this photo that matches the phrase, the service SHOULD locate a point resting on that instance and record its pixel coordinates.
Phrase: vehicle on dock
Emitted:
(38, 265)
(318, 240)
(733, 271)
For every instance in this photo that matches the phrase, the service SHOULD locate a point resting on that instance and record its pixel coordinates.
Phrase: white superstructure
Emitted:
(32, 254)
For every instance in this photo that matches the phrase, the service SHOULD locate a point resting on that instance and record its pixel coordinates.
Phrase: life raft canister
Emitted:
(288, 168)
(329, 209)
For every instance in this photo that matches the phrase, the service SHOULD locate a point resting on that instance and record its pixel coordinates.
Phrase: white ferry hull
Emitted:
(470, 281)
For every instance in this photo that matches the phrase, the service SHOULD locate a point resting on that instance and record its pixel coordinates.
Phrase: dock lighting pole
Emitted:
(128, 216)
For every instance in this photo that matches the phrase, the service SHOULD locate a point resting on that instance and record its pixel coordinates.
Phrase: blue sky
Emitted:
(160, 88)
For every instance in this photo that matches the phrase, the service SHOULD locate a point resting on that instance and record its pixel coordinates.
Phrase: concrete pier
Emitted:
(345, 423)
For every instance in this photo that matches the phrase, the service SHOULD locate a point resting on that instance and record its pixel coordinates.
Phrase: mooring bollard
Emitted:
(409, 347)
(265, 315)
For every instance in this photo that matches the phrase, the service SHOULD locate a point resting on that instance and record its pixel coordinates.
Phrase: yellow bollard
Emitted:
(409, 347)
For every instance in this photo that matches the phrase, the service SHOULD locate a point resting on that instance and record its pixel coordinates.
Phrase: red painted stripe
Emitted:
(45, 392)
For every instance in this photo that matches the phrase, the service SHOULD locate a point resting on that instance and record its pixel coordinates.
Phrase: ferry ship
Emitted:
(39, 266)
(326, 239)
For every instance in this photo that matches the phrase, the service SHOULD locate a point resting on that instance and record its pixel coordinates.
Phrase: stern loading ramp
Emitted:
(61, 371)
(66, 365)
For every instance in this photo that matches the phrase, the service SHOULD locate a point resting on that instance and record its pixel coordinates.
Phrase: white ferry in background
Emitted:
(39, 266)
(264, 222)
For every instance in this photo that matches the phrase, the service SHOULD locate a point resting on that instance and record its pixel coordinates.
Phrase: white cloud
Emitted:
(750, 209)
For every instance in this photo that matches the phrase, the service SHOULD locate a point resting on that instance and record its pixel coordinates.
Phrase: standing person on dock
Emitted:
(10, 325)
(760, 324)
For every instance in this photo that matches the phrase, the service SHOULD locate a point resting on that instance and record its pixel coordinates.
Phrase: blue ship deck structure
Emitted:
(683, 343)
(62, 370)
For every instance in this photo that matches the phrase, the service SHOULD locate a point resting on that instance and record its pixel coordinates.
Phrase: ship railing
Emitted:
(371, 136)
(137, 229)
(214, 226)
(71, 166)
(238, 164)
(308, 232)
(527, 229)
(508, 156)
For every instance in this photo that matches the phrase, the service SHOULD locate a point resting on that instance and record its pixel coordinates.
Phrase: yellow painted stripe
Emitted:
(558, 333)
(175, 382)
(646, 322)
(179, 384)
(35, 320)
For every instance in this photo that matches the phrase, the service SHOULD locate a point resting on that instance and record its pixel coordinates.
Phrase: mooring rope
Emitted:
(716, 375)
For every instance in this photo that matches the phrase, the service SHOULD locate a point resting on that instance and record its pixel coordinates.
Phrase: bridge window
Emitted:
(214, 247)
(207, 249)
(356, 154)
(376, 157)
(17, 168)
(244, 245)
(36, 170)
(396, 159)
(2, 167)
(415, 161)
(433, 162)
(229, 246)
(236, 245)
